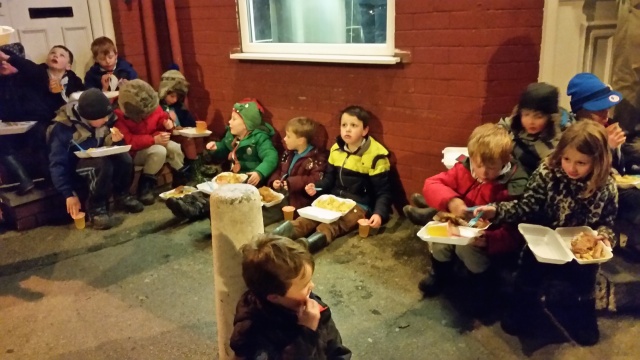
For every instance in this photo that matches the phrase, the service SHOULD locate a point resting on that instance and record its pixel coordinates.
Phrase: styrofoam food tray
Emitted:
(466, 235)
(546, 244)
(166, 195)
(207, 187)
(274, 202)
(318, 214)
(191, 132)
(19, 127)
(322, 197)
(450, 155)
(568, 233)
(103, 151)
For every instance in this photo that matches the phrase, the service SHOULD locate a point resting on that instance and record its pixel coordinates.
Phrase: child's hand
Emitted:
(162, 139)
(116, 135)
(457, 207)
(73, 206)
(310, 189)
(211, 145)
(254, 178)
(3, 56)
(104, 80)
(488, 212)
(277, 184)
(604, 239)
(615, 136)
(172, 115)
(479, 241)
(168, 124)
(309, 314)
(375, 221)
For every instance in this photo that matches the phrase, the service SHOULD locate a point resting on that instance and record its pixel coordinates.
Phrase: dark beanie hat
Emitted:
(540, 97)
(93, 104)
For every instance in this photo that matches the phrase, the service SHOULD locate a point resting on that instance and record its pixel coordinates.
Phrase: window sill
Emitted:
(348, 59)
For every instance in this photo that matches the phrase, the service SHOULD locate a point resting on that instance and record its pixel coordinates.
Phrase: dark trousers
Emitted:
(106, 175)
(33, 142)
(629, 205)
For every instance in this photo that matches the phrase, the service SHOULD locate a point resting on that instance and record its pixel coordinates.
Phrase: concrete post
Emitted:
(236, 217)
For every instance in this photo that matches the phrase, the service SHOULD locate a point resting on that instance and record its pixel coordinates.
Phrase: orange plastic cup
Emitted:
(288, 212)
(363, 227)
(79, 220)
(201, 127)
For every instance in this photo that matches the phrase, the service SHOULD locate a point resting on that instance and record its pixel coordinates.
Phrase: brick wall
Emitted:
(471, 59)
(127, 22)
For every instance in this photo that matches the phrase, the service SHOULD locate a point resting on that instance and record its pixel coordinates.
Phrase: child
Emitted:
(88, 126)
(107, 63)
(279, 317)
(489, 174)
(172, 92)
(247, 144)
(301, 164)
(592, 99)
(147, 128)
(358, 169)
(572, 187)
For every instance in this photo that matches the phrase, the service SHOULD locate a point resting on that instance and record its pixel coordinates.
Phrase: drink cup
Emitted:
(288, 212)
(79, 220)
(201, 127)
(363, 227)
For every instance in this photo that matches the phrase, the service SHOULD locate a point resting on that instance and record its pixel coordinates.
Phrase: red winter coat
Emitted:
(458, 182)
(308, 169)
(140, 134)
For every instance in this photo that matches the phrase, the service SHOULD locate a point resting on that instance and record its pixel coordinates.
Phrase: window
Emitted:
(359, 31)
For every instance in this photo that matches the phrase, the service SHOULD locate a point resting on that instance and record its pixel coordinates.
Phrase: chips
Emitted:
(229, 178)
(267, 195)
(333, 204)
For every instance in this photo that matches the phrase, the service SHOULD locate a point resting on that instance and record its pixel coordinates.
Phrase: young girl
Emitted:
(571, 188)
(536, 125)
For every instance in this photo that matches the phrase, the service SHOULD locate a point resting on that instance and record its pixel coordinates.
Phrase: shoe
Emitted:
(578, 318)
(100, 219)
(190, 206)
(128, 203)
(438, 278)
(285, 230)
(315, 242)
(419, 216)
(518, 318)
(418, 200)
(181, 177)
(146, 184)
(18, 171)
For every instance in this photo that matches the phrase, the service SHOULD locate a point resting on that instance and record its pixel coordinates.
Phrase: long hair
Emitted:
(589, 138)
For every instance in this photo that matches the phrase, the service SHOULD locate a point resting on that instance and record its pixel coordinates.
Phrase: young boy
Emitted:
(107, 63)
(88, 126)
(486, 176)
(358, 169)
(147, 128)
(279, 317)
(247, 144)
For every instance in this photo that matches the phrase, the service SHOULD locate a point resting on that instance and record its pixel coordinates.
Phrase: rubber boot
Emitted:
(440, 275)
(419, 216)
(128, 203)
(145, 189)
(182, 176)
(285, 230)
(100, 219)
(17, 170)
(578, 318)
(315, 242)
(418, 200)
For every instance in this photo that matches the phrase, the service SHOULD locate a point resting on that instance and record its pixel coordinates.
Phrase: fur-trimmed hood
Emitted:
(137, 100)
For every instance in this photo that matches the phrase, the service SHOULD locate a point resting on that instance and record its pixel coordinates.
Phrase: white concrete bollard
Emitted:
(236, 217)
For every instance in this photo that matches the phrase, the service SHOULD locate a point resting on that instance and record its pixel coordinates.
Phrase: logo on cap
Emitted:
(614, 98)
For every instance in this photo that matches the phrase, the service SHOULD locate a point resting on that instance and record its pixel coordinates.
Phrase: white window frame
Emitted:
(339, 53)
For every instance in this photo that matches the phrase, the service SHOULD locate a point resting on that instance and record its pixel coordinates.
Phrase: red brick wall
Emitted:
(127, 22)
(471, 59)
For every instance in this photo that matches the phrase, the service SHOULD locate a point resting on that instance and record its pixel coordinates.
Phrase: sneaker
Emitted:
(102, 221)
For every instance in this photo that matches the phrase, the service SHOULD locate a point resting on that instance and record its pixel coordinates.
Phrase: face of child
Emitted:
(601, 116)
(533, 121)
(352, 130)
(171, 99)
(108, 61)
(58, 59)
(236, 125)
(486, 172)
(294, 142)
(99, 123)
(298, 292)
(576, 164)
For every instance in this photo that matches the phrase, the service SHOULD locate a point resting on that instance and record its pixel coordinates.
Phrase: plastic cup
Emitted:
(288, 212)
(363, 227)
(201, 127)
(79, 220)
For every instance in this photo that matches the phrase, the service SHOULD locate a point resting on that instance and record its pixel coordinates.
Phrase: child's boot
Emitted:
(285, 230)
(517, 319)
(418, 200)
(18, 171)
(100, 219)
(419, 216)
(315, 242)
(182, 176)
(578, 317)
(440, 274)
(483, 287)
(128, 203)
(145, 189)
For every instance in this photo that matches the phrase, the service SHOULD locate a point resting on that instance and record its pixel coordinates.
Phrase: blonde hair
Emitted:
(270, 263)
(302, 126)
(103, 46)
(588, 138)
(490, 143)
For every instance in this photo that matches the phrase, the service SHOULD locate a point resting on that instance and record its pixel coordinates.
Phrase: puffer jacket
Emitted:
(307, 169)
(263, 330)
(123, 70)
(554, 200)
(140, 134)
(255, 151)
(362, 176)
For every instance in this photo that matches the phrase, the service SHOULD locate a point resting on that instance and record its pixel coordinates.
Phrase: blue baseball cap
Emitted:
(589, 93)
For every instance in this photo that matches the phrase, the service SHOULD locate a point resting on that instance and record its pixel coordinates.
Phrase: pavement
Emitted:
(144, 290)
